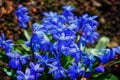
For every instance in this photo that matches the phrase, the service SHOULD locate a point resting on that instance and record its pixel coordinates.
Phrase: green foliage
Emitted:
(10, 72)
(93, 51)
(27, 35)
(22, 45)
(104, 76)
(102, 43)
(66, 60)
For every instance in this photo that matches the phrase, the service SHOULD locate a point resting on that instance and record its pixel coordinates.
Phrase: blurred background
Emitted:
(108, 12)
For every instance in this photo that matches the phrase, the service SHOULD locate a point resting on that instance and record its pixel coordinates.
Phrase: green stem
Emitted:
(32, 49)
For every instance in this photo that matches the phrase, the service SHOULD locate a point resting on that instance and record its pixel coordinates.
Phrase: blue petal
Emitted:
(20, 73)
(27, 73)
(100, 69)
(68, 8)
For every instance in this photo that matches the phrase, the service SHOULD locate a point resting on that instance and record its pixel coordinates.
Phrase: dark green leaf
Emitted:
(22, 43)
(104, 76)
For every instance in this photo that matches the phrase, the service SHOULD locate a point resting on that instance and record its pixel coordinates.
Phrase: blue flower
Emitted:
(87, 37)
(38, 27)
(112, 53)
(35, 69)
(68, 8)
(52, 18)
(108, 55)
(100, 69)
(50, 14)
(65, 38)
(44, 60)
(104, 58)
(117, 49)
(25, 76)
(75, 71)
(87, 74)
(2, 38)
(87, 26)
(39, 40)
(57, 70)
(54, 24)
(68, 12)
(7, 45)
(22, 16)
(16, 60)
(88, 61)
(87, 20)
(73, 51)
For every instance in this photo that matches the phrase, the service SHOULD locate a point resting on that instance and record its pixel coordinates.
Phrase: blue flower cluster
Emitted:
(16, 60)
(59, 37)
(22, 16)
(5, 44)
(64, 29)
(31, 73)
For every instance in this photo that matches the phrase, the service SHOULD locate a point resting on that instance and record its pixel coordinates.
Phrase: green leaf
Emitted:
(27, 35)
(19, 51)
(93, 51)
(22, 43)
(9, 73)
(102, 42)
(25, 47)
(104, 76)
(68, 60)
(113, 77)
(116, 62)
